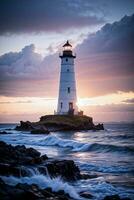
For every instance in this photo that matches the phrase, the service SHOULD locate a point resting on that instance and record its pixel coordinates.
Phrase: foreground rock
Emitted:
(19, 160)
(115, 197)
(31, 192)
(64, 168)
(59, 123)
(19, 154)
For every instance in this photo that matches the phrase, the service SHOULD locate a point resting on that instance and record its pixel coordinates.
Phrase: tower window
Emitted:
(66, 59)
(61, 105)
(67, 70)
(68, 89)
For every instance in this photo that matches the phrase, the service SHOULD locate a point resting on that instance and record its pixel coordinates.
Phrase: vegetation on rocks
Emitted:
(54, 123)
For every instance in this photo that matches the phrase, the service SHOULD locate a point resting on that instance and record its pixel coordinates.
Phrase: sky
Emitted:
(32, 34)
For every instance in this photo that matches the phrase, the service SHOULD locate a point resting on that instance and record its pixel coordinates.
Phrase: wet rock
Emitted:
(38, 160)
(4, 132)
(24, 126)
(34, 128)
(14, 160)
(17, 155)
(99, 127)
(40, 131)
(115, 197)
(65, 168)
(32, 192)
(7, 169)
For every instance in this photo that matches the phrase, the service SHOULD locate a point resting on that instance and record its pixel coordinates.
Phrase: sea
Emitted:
(109, 154)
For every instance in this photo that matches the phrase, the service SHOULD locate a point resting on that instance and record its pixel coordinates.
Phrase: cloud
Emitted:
(116, 37)
(37, 15)
(27, 73)
(104, 65)
(24, 64)
(129, 101)
(105, 59)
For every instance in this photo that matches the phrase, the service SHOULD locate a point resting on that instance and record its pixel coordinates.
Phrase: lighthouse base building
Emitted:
(67, 100)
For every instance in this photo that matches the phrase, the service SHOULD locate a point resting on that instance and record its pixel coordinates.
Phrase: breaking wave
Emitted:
(56, 184)
(53, 140)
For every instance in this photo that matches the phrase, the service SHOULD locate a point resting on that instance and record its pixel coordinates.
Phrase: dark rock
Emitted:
(115, 197)
(99, 127)
(34, 128)
(4, 132)
(38, 160)
(40, 131)
(65, 168)
(31, 192)
(14, 160)
(17, 155)
(112, 197)
(24, 126)
(7, 169)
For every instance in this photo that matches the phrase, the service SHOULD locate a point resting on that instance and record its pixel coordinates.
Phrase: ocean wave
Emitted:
(105, 168)
(74, 145)
(111, 148)
(53, 140)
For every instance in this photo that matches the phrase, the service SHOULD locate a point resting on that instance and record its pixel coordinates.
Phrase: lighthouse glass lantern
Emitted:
(67, 88)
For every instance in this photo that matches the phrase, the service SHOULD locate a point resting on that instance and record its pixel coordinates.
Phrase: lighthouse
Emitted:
(67, 88)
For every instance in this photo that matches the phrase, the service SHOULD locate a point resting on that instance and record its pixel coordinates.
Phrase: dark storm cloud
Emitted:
(115, 37)
(46, 15)
(106, 58)
(104, 65)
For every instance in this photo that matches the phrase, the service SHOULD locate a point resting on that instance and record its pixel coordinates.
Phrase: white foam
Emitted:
(52, 140)
(43, 182)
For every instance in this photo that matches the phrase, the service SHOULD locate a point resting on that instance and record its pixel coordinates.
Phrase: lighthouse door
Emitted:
(71, 109)
(70, 106)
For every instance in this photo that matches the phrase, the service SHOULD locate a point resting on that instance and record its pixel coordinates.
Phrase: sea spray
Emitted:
(44, 182)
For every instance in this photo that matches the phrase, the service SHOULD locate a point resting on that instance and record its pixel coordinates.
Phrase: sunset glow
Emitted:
(30, 63)
(33, 107)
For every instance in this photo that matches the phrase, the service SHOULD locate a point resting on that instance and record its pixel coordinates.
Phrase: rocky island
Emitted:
(55, 123)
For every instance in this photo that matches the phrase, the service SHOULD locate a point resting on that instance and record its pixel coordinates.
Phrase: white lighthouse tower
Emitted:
(67, 88)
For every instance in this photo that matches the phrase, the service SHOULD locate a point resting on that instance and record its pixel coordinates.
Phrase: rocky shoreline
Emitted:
(53, 123)
(19, 161)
